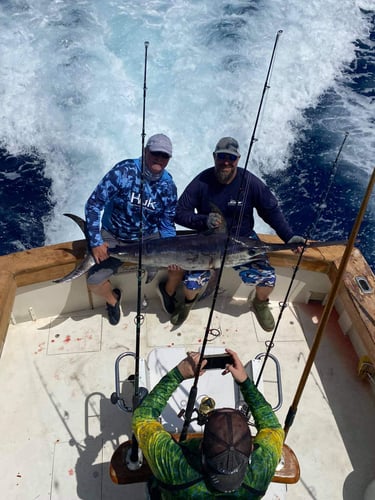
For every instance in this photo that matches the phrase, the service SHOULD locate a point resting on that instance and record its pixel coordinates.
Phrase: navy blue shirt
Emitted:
(236, 201)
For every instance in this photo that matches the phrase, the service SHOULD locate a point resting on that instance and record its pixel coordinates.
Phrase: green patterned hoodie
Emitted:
(175, 463)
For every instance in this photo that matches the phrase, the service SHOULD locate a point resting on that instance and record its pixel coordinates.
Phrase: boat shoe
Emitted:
(182, 312)
(167, 301)
(263, 314)
(113, 312)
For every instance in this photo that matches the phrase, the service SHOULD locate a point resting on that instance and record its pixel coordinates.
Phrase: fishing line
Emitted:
(139, 318)
(283, 305)
(194, 388)
(323, 203)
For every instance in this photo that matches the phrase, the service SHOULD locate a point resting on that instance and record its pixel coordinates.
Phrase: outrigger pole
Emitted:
(194, 388)
(134, 453)
(329, 305)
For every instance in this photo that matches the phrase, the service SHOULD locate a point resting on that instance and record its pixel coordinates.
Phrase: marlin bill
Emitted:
(189, 251)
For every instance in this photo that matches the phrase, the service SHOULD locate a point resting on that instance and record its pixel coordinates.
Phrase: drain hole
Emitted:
(363, 284)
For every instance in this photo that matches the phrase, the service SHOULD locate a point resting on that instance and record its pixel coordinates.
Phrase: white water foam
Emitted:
(72, 83)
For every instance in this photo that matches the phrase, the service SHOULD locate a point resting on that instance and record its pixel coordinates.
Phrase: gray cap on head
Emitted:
(228, 145)
(160, 142)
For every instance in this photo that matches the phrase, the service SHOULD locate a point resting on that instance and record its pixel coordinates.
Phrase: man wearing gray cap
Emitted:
(113, 215)
(225, 196)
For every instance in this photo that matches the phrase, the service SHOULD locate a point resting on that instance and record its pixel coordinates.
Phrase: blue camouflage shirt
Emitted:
(118, 196)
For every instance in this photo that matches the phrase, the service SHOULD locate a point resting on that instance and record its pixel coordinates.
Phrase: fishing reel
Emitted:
(206, 405)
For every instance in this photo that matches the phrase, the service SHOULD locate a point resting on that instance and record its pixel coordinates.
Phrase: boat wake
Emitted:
(71, 82)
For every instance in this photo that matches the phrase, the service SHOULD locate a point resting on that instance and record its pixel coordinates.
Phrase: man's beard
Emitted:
(224, 177)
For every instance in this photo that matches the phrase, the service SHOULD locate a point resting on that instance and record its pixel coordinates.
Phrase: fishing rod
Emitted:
(266, 87)
(323, 202)
(329, 306)
(253, 139)
(139, 318)
(284, 303)
(134, 453)
(193, 391)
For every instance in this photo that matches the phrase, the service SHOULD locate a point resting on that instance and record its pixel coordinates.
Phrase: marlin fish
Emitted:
(188, 251)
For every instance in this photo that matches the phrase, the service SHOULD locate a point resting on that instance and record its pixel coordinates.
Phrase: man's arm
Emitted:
(96, 203)
(270, 437)
(259, 407)
(167, 226)
(162, 453)
(187, 205)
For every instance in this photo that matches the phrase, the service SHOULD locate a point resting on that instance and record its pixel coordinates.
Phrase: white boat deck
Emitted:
(60, 429)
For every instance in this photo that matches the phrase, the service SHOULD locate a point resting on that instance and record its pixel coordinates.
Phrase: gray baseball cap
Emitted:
(160, 142)
(228, 145)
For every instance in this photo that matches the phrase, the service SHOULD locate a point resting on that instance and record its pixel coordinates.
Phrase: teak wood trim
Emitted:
(289, 473)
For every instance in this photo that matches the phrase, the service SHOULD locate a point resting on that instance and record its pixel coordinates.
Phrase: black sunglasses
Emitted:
(161, 154)
(226, 156)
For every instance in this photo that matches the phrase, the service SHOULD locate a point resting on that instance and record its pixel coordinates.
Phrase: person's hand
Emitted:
(297, 239)
(174, 267)
(214, 220)
(237, 369)
(100, 253)
(188, 366)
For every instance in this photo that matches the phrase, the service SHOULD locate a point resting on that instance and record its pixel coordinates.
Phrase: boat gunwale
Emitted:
(50, 262)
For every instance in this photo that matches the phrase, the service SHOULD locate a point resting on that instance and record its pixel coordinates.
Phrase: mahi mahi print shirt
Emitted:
(173, 466)
(119, 195)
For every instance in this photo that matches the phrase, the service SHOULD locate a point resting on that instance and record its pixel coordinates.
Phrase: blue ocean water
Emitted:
(71, 85)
